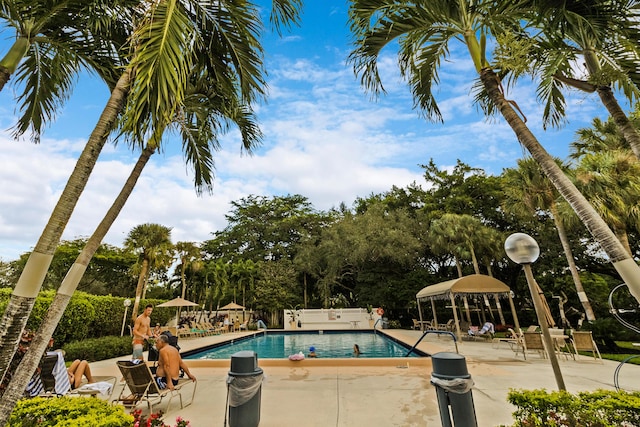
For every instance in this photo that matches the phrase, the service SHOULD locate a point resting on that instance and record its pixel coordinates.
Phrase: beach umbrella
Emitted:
(233, 306)
(178, 302)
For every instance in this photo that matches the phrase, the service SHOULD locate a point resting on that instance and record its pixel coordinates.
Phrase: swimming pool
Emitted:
(328, 344)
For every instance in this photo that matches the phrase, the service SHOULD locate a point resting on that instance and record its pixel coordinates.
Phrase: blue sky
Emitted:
(324, 138)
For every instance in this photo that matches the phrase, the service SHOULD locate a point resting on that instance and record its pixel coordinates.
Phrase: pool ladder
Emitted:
(455, 340)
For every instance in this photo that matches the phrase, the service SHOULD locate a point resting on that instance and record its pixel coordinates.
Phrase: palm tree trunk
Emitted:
(622, 262)
(582, 296)
(29, 363)
(139, 289)
(624, 239)
(182, 278)
(474, 260)
(610, 102)
(12, 59)
(23, 296)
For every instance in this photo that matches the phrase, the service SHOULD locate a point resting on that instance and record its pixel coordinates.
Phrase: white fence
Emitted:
(332, 318)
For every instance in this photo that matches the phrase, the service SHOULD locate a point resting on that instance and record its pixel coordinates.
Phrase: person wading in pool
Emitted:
(356, 350)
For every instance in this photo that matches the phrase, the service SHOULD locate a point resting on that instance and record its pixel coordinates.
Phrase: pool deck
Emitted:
(378, 392)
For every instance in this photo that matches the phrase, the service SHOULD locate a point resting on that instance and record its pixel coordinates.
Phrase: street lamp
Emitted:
(127, 303)
(524, 250)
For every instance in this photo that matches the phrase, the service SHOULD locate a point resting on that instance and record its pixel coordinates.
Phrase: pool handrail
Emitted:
(455, 340)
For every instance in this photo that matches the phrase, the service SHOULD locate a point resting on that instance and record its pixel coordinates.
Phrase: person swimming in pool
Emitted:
(312, 352)
(356, 350)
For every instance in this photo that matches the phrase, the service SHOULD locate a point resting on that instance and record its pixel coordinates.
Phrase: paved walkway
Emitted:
(391, 394)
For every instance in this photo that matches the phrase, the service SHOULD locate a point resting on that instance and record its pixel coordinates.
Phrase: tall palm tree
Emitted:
(152, 243)
(604, 35)
(200, 133)
(423, 32)
(54, 41)
(527, 192)
(611, 182)
(168, 40)
(187, 253)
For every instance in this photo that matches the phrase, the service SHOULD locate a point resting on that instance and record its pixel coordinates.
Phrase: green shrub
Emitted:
(93, 349)
(68, 412)
(601, 408)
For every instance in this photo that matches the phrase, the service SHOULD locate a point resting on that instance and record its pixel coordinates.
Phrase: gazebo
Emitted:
(474, 285)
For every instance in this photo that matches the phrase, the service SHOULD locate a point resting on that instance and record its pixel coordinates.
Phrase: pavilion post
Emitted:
(433, 310)
(500, 313)
(515, 314)
(455, 316)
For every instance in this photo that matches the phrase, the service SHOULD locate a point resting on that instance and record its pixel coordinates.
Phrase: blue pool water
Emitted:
(327, 345)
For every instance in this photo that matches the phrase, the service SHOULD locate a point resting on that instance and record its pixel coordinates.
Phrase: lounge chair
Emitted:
(533, 341)
(583, 341)
(53, 380)
(515, 341)
(142, 387)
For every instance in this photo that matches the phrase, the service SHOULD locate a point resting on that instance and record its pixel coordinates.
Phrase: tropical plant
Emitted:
(188, 253)
(423, 32)
(529, 192)
(169, 35)
(152, 244)
(602, 36)
(54, 42)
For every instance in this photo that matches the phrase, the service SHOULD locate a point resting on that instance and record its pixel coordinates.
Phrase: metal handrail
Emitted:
(455, 340)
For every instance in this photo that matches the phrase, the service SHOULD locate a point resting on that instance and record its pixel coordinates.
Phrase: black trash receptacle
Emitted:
(453, 389)
(245, 385)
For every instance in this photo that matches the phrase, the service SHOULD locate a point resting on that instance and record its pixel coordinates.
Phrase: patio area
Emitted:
(387, 394)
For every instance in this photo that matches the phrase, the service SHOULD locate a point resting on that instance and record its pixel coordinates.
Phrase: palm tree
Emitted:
(611, 182)
(152, 243)
(528, 192)
(200, 133)
(604, 34)
(188, 253)
(54, 39)
(168, 40)
(424, 32)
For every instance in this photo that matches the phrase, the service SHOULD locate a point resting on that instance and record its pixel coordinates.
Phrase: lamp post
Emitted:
(127, 303)
(524, 250)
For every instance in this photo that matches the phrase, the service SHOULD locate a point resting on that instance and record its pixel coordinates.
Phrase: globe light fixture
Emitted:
(127, 303)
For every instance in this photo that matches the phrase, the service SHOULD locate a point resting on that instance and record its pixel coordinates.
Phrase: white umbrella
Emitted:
(178, 302)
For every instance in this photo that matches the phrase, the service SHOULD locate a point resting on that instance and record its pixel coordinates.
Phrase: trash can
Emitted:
(244, 385)
(453, 389)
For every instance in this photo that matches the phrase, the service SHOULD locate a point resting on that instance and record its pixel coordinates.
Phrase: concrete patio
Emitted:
(392, 393)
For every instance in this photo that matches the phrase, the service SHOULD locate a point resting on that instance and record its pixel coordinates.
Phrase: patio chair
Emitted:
(583, 341)
(53, 380)
(142, 387)
(533, 341)
(416, 325)
(515, 342)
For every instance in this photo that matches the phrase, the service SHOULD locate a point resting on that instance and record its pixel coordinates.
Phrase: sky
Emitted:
(325, 138)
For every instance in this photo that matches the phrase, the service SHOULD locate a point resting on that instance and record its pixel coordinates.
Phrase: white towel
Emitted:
(103, 387)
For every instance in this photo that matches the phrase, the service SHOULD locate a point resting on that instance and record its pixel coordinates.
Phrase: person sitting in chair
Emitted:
(486, 328)
(76, 371)
(169, 364)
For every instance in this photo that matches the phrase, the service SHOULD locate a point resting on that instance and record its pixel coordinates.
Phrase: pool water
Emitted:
(327, 345)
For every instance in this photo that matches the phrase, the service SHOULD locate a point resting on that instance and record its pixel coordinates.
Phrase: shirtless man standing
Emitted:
(169, 364)
(141, 332)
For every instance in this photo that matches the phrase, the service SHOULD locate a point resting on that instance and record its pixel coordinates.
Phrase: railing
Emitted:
(455, 340)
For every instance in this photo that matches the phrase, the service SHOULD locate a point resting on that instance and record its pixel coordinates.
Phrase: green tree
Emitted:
(54, 42)
(188, 254)
(600, 35)
(152, 244)
(276, 288)
(170, 31)
(423, 33)
(265, 228)
(530, 193)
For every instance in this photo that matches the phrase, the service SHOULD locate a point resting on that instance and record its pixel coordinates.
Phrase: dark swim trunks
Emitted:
(162, 382)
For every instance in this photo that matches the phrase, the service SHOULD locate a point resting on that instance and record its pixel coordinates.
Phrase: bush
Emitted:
(94, 349)
(601, 408)
(68, 412)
